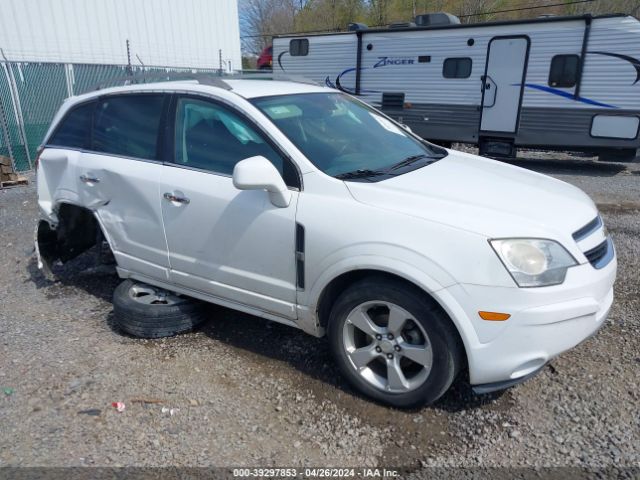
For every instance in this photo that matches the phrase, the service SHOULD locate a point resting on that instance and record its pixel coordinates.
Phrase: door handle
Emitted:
(487, 82)
(173, 198)
(89, 180)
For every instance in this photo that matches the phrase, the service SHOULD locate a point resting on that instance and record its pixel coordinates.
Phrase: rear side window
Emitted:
(74, 129)
(457, 68)
(564, 71)
(299, 47)
(128, 125)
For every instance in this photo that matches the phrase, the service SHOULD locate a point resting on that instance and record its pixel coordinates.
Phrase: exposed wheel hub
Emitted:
(149, 295)
(387, 346)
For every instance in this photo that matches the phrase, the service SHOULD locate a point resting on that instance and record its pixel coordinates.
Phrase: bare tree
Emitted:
(260, 19)
(472, 11)
(329, 14)
(379, 11)
(631, 7)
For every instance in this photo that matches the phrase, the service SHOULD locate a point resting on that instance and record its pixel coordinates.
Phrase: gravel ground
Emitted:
(248, 392)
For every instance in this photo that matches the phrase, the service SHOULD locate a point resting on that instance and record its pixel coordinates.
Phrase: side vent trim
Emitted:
(300, 256)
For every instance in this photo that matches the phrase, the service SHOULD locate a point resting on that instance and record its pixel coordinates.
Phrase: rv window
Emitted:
(564, 71)
(299, 47)
(457, 68)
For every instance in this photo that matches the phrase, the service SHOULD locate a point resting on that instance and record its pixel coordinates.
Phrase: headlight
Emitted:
(534, 262)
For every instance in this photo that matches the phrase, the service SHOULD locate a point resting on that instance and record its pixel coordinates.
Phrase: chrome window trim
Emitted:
(93, 152)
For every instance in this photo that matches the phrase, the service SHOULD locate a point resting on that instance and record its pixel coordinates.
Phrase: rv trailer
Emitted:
(569, 83)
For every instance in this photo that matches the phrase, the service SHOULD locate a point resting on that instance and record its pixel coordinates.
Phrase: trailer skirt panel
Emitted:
(574, 128)
(451, 123)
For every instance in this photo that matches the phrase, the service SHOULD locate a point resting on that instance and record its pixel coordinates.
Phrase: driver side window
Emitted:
(211, 137)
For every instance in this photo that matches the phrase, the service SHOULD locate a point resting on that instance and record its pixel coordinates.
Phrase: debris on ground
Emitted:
(146, 401)
(92, 412)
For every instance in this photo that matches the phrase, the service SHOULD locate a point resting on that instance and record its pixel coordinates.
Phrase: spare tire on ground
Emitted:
(146, 311)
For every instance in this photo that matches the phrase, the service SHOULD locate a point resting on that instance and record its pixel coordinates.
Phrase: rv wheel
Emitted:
(496, 148)
(618, 155)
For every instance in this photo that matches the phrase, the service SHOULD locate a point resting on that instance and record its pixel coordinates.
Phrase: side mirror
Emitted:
(258, 173)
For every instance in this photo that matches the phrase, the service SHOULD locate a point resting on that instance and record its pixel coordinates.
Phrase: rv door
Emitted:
(503, 83)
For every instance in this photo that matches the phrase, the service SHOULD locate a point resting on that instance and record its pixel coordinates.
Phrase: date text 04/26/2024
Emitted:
(314, 473)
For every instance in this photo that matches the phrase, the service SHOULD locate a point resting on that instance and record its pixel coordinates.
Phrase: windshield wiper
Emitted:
(364, 173)
(412, 159)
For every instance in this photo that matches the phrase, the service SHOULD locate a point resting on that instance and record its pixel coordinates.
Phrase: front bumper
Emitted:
(544, 323)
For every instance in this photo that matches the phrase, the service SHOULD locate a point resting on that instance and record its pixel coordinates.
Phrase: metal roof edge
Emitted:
(566, 18)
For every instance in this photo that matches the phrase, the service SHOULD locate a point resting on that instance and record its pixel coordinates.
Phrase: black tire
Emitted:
(154, 320)
(498, 149)
(445, 342)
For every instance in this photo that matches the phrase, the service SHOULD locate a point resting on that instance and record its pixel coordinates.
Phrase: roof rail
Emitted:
(297, 79)
(268, 75)
(203, 78)
(211, 79)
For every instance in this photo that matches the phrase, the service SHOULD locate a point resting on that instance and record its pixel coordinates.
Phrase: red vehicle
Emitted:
(265, 60)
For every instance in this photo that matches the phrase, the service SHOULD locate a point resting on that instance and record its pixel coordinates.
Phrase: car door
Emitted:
(232, 244)
(118, 178)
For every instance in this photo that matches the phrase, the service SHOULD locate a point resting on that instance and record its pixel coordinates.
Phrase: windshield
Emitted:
(345, 138)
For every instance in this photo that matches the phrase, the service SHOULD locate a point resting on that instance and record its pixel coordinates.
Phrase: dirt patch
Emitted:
(619, 208)
(245, 391)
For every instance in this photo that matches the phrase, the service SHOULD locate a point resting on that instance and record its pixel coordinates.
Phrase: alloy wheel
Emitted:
(387, 346)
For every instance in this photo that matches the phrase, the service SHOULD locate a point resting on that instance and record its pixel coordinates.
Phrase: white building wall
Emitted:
(178, 33)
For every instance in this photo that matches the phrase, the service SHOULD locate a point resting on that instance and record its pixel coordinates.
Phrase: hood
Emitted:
(483, 196)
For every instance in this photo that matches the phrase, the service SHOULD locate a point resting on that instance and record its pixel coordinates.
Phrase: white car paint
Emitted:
(431, 226)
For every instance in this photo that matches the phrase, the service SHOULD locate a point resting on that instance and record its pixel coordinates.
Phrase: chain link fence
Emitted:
(31, 93)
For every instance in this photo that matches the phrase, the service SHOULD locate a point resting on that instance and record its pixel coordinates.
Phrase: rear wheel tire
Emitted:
(146, 311)
(393, 343)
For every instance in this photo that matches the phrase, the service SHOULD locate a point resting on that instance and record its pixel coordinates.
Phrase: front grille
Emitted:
(601, 255)
(588, 229)
(597, 256)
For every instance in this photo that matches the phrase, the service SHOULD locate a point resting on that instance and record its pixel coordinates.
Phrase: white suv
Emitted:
(303, 205)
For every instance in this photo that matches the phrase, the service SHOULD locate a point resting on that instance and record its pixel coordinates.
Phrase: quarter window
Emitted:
(299, 47)
(128, 125)
(74, 129)
(457, 68)
(564, 71)
(209, 136)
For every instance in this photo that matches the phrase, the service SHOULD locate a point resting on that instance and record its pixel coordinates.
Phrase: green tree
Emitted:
(329, 14)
